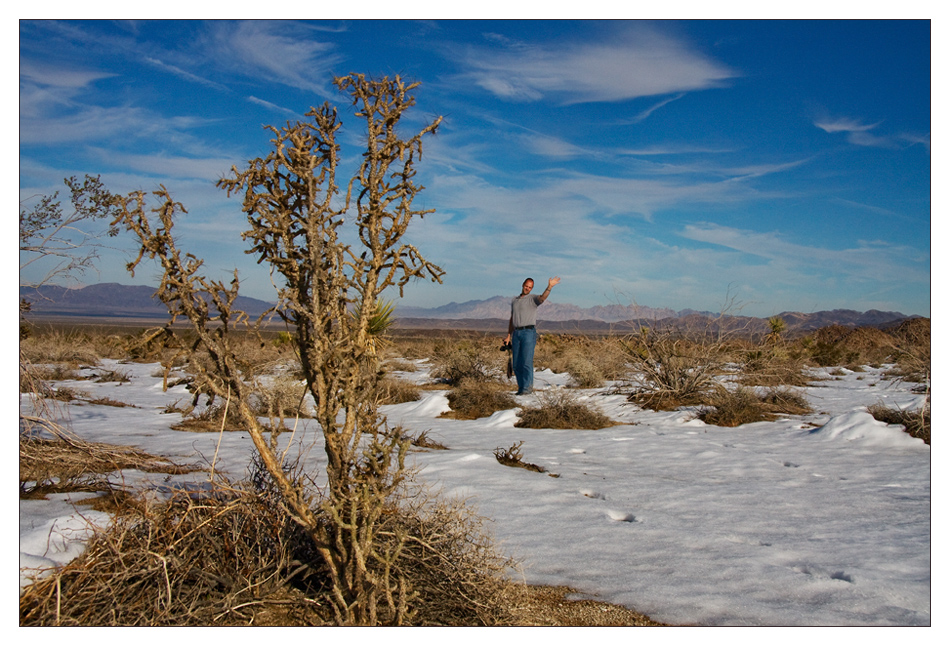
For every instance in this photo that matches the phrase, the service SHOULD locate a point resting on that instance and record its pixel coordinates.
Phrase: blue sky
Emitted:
(785, 164)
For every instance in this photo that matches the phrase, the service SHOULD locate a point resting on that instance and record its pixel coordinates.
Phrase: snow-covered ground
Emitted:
(816, 520)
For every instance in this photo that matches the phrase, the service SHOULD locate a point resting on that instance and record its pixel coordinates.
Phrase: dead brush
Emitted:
(475, 398)
(560, 409)
(916, 423)
(771, 366)
(671, 371)
(741, 405)
(423, 441)
(589, 360)
(62, 462)
(512, 457)
(467, 360)
(234, 556)
(280, 397)
(57, 346)
(210, 419)
(396, 391)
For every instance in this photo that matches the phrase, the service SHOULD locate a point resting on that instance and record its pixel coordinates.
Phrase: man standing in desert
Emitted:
(522, 334)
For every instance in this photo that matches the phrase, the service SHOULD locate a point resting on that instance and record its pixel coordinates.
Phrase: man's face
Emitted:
(527, 287)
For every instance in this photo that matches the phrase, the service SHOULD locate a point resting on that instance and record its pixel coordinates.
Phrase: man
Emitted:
(522, 334)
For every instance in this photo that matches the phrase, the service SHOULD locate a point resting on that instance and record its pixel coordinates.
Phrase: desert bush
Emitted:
(423, 441)
(561, 409)
(109, 376)
(280, 397)
(467, 360)
(916, 423)
(54, 460)
(589, 360)
(786, 401)
(671, 370)
(512, 457)
(234, 555)
(741, 405)
(56, 346)
(396, 391)
(734, 407)
(475, 398)
(213, 418)
(773, 366)
(912, 350)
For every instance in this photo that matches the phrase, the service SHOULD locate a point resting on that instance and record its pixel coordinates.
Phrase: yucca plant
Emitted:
(380, 321)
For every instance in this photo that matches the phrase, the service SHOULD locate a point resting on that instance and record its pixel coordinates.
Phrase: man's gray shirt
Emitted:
(524, 310)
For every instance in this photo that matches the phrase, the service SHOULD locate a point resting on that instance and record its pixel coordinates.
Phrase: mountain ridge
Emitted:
(138, 301)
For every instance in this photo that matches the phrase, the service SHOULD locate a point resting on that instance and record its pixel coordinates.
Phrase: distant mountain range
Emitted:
(112, 300)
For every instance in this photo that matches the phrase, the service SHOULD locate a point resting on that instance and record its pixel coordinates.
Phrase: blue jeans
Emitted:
(522, 358)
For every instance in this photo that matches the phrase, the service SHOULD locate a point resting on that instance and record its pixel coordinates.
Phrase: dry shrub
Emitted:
(396, 391)
(734, 408)
(512, 457)
(474, 398)
(467, 360)
(423, 441)
(234, 556)
(210, 419)
(64, 463)
(785, 401)
(912, 350)
(560, 409)
(772, 366)
(671, 370)
(589, 360)
(743, 405)
(220, 560)
(280, 397)
(110, 376)
(916, 423)
(57, 346)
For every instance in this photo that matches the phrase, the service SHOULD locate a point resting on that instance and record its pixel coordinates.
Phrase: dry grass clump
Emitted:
(280, 397)
(65, 463)
(743, 405)
(512, 457)
(771, 366)
(396, 391)
(64, 347)
(589, 360)
(468, 360)
(210, 419)
(912, 350)
(560, 409)
(474, 398)
(234, 556)
(916, 423)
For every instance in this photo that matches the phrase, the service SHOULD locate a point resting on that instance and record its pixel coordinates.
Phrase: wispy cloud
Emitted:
(278, 51)
(869, 261)
(859, 133)
(274, 107)
(641, 62)
(188, 76)
(653, 108)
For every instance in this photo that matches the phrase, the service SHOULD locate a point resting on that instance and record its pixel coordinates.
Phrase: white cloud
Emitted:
(858, 133)
(639, 63)
(844, 124)
(278, 51)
